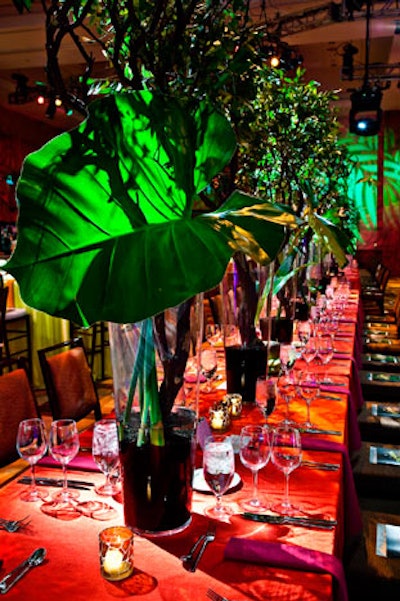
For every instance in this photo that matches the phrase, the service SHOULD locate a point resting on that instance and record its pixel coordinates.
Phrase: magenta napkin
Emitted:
(288, 556)
(352, 519)
(82, 462)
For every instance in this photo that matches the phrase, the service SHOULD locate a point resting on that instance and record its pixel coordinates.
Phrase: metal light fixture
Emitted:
(366, 114)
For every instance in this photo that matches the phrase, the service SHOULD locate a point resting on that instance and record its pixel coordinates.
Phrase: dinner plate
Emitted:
(201, 485)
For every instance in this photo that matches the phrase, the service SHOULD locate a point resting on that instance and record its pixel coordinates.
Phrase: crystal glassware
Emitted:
(254, 451)
(309, 390)
(218, 469)
(286, 454)
(105, 451)
(208, 361)
(286, 386)
(287, 357)
(32, 445)
(64, 446)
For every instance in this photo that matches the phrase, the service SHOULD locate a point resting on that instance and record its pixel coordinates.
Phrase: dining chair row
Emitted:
(70, 389)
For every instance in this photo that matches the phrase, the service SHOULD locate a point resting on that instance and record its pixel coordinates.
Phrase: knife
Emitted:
(307, 522)
(320, 465)
(77, 484)
(320, 431)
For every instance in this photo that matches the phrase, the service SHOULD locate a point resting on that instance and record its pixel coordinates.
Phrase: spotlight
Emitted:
(365, 114)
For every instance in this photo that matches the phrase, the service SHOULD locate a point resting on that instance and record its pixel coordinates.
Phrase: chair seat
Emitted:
(376, 479)
(14, 313)
(380, 422)
(380, 386)
(380, 363)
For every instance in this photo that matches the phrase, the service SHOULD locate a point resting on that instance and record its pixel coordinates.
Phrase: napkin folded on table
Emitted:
(288, 556)
(352, 519)
(81, 462)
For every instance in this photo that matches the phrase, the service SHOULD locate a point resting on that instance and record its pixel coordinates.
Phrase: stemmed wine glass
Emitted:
(254, 451)
(64, 446)
(32, 445)
(208, 362)
(325, 351)
(287, 356)
(266, 395)
(287, 389)
(286, 454)
(218, 469)
(309, 390)
(213, 334)
(310, 350)
(303, 333)
(105, 451)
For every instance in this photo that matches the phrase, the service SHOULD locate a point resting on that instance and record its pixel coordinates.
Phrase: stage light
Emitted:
(366, 114)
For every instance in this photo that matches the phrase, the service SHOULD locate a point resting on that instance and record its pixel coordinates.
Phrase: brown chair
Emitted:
(96, 341)
(17, 402)
(68, 379)
(376, 295)
(15, 331)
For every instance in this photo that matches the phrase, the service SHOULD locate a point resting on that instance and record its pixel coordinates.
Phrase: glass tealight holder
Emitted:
(116, 552)
(220, 417)
(234, 402)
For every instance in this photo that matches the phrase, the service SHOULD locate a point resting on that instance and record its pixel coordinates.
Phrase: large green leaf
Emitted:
(105, 229)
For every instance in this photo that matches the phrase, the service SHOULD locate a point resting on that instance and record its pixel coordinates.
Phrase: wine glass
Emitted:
(213, 334)
(309, 390)
(287, 356)
(208, 362)
(105, 451)
(266, 395)
(286, 385)
(218, 469)
(325, 351)
(286, 454)
(310, 350)
(64, 446)
(303, 333)
(32, 445)
(254, 451)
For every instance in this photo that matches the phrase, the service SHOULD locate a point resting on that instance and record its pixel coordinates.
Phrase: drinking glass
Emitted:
(287, 356)
(303, 333)
(32, 445)
(287, 389)
(286, 454)
(213, 334)
(325, 351)
(310, 350)
(254, 451)
(309, 390)
(208, 363)
(105, 451)
(218, 469)
(266, 395)
(64, 446)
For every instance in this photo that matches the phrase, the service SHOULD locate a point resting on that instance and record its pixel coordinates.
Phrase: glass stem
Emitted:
(65, 480)
(286, 492)
(33, 477)
(308, 413)
(218, 505)
(255, 485)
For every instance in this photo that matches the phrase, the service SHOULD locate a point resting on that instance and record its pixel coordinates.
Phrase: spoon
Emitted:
(35, 559)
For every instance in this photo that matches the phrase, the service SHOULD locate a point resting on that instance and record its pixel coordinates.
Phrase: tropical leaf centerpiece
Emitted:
(106, 229)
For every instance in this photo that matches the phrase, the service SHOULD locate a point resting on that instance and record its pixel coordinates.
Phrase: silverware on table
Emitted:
(320, 431)
(14, 525)
(307, 522)
(329, 397)
(215, 596)
(191, 561)
(77, 484)
(321, 465)
(35, 559)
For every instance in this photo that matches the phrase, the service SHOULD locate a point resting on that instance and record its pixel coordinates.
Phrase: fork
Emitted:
(192, 563)
(14, 525)
(215, 596)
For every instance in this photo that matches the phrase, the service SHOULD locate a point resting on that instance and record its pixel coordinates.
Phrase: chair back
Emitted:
(17, 402)
(69, 383)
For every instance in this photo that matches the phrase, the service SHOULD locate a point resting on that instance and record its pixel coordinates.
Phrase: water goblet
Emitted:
(286, 385)
(325, 350)
(64, 446)
(286, 454)
(309, 390)
(105, 451)
(32, 445)
(218, 469)
(310, 350)
(266, 395)
(254, 452)
(287, 356)
(208, 363)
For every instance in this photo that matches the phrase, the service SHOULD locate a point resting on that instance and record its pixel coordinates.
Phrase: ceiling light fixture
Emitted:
(366, 113)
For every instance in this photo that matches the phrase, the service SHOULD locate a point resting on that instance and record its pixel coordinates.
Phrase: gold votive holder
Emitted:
(235, 404)
(220, 417)
(116, 552)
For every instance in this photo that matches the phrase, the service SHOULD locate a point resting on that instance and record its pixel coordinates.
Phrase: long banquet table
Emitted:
(71, 570)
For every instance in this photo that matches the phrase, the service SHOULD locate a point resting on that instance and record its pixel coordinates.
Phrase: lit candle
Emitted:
(234, 402)
(219, 417)
(116, 552)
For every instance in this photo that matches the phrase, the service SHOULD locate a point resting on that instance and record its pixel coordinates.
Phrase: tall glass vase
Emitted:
(157, 436)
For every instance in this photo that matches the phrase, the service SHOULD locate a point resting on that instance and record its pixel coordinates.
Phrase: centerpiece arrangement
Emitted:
(142, 206)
